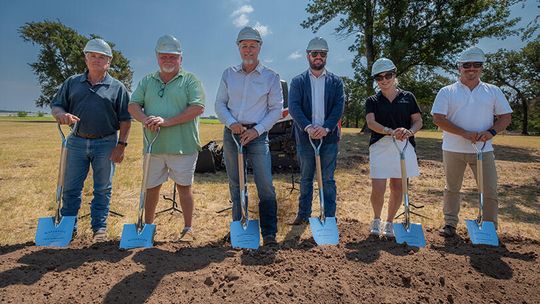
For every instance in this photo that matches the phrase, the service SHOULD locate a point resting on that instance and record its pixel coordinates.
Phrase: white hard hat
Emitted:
(382, 65)
(472, 54)
(317, 44)
(98, 46)
(248, 33)
(168, 44)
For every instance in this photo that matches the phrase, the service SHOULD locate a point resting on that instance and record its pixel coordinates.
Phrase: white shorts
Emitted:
(384, 161)
(179, 167)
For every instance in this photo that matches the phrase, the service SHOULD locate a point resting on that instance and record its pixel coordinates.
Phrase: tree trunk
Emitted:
(525, 123)
(368, 40)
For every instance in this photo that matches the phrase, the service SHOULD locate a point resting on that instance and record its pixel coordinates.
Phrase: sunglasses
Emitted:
(161, 91)
(316, 53)
(386, 76)
(468, 65)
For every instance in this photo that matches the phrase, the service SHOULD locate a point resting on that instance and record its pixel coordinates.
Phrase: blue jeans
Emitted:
(258, 152)
(81, 154)
(306, 158)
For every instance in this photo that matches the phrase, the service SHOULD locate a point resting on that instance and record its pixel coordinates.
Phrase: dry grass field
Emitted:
(28, 169)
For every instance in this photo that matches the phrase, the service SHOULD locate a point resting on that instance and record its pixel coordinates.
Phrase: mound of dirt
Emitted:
(361, 269)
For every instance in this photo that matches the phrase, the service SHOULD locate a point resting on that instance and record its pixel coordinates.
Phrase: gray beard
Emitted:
(167, 70)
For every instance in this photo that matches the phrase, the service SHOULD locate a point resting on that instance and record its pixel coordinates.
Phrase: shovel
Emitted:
(480, 231)
(57, 231)
(324, 229)
(244, 233)
(140, 235)
(407, 232)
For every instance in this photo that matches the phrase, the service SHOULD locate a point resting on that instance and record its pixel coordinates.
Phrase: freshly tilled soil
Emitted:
(361, 269)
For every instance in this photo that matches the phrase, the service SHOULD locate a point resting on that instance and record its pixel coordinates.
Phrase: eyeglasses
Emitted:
(386, 76)
(161, 91)
(317, 53)
(468, 65)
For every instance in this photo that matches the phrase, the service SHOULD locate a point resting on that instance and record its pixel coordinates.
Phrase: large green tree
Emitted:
(517, 73)
(412, 32)
(61, 56)
(423, 38)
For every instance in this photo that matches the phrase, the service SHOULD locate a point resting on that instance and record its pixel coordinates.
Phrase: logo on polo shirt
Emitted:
(403, 100)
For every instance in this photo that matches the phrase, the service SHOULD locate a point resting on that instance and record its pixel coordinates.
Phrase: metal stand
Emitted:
(293, 183)
(174, 207)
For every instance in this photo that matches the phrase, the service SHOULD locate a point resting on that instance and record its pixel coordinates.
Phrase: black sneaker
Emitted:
(447, 231)
(269, 240)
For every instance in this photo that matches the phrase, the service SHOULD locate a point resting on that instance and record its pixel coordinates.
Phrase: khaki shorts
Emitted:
(179, 167)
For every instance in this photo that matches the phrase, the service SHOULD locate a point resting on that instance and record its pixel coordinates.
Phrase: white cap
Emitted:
(248, 33)
(382, 65)
(98, 46)
(317, 44)
(168, 44)
(472, 54)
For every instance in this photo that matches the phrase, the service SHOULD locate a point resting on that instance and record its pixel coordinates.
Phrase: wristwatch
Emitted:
(327, 130)
(493, 132)
(123, 143)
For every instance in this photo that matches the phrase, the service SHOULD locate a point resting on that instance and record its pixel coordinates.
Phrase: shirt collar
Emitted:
(239, 69)
(480, 83)
(155, 75)
(106, 80)
(322, 74)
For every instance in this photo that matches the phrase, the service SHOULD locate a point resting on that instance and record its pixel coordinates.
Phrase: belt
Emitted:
(249, 126)
(91, 136)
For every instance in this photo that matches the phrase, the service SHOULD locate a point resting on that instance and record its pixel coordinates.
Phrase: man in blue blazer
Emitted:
(316, 103)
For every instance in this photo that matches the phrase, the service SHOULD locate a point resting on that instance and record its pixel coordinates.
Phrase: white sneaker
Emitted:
(187, 235)
(375, 227)
(388, 230)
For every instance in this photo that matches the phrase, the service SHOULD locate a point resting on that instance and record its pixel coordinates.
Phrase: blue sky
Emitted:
(207, 30)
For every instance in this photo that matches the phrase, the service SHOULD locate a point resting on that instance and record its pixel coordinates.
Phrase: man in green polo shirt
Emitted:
(170, 100)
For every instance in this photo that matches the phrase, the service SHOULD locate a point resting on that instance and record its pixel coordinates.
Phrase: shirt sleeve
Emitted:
(138, 94)
(370, 105)
(440, 105)
(222, 99)
(61, 98)
(501, 103)
(196, 92)
(275, 106)
(122, 104)
(414, 105)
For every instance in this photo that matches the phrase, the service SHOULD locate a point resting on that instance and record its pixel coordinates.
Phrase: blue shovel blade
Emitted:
(484, 234)
(248, 238)
(413, 237)
(131, 238)
(48, 234)
(324, 234)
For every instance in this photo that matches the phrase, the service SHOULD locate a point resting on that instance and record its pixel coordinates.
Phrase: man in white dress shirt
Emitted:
(249, 102)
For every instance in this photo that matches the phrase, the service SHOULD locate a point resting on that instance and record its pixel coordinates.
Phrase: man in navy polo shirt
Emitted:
(98, 102)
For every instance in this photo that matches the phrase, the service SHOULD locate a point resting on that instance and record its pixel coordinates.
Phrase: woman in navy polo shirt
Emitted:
(390, 112)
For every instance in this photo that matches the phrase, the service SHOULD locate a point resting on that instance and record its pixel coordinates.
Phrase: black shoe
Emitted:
(269, 240)
(299, 221)
(447, 231)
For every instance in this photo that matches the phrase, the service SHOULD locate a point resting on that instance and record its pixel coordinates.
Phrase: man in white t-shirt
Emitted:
(465, 112)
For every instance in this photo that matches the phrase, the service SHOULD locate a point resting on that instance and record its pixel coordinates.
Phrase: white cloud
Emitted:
(244, 9)
(263, 29)
(295, 55)
(268, 60)
(241, 20)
